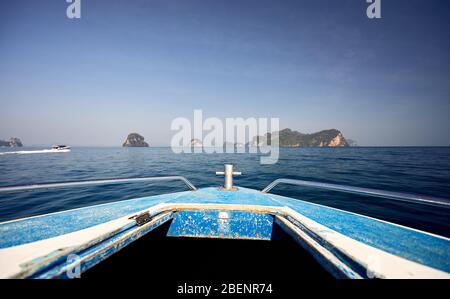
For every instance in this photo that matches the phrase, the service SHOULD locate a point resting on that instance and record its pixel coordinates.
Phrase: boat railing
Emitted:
(97, 182)
(412, 198)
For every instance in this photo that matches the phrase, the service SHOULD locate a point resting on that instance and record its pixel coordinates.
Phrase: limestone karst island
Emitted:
(325, 138)
(135, 140)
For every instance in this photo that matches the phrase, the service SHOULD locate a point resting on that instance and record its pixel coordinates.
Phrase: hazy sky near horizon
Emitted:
(134, 66)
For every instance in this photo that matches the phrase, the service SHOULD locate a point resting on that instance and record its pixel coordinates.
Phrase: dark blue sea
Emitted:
(420, 170)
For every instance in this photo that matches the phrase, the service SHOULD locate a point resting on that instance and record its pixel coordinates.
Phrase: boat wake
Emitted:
(44, 151)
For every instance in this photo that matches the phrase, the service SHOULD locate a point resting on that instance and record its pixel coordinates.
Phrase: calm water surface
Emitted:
(414, 170)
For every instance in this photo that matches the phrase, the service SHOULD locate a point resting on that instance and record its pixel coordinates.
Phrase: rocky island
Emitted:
(135, 140)
(196, 143)
(291, 138)
(13, 142)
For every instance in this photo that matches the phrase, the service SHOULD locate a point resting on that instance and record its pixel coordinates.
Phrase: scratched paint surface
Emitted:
(243, 196)
(410, 244)
(97, 253)
(52, 225)
(222, 224)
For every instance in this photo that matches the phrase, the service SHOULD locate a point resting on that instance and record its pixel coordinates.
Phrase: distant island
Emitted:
(135, 140)
(13, 142)
(196, 143)
(291, 138)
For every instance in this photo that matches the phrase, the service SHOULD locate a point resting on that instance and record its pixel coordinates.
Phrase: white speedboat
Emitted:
(61, 148)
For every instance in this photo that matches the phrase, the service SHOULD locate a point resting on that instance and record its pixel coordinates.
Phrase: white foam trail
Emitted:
(44, 151)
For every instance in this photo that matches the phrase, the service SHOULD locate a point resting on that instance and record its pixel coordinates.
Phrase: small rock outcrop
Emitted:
(135, 140)
(13, 142)
(196, 143)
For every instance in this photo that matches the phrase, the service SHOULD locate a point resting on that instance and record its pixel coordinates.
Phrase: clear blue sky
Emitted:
(130, 66)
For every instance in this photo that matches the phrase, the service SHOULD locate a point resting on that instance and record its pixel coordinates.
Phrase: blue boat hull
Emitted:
(347, 245)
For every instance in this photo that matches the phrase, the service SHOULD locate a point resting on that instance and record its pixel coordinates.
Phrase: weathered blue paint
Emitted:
(242, 196)
(221, 224)
(340, 272)
(60, 256)
(404, 242)
(55, 224)
(398, 240)
(337, 272)
(52, 225)
(98, 252)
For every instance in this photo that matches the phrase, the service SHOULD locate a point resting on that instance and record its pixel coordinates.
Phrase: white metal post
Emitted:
(228, 173)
